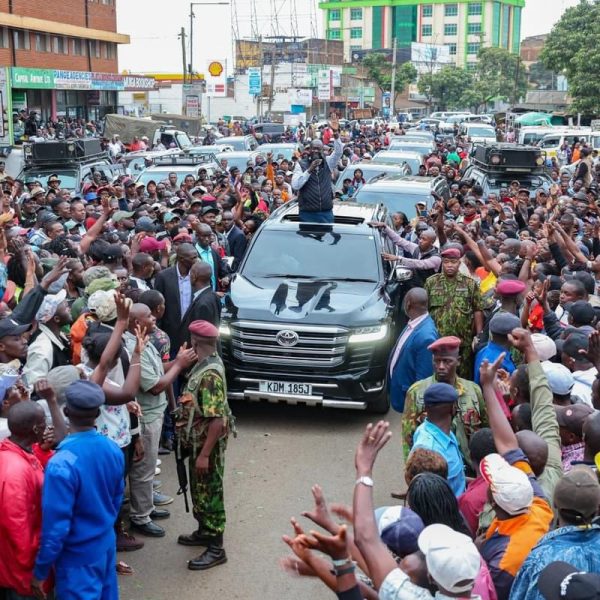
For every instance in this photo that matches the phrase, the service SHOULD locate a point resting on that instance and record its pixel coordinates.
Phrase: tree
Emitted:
(379, 70)
(573, 48)
(445, 86)
(498, 75)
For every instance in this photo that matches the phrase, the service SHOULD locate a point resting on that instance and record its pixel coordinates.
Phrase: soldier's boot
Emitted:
(196, 538)
(213, 555)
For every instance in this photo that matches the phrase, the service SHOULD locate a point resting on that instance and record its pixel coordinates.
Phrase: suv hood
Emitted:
(322, 301)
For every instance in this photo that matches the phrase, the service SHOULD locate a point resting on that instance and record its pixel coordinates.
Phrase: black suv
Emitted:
(74, 161)
(496, 166)
(310, 315)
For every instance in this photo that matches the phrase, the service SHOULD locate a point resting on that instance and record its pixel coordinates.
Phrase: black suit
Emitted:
(206, 307)
(167, 283)
(237, 245)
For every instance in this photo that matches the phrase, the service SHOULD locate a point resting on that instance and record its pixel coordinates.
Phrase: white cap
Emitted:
(510, 487)
(453, 560)
(560, 379)
(544, 345)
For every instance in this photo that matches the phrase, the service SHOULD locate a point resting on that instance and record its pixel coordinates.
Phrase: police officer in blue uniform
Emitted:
(81, 498)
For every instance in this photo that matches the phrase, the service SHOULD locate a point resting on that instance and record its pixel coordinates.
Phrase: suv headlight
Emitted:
(224, 330)
(369, 334)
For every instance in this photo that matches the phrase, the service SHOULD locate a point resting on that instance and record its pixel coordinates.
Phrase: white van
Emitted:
(551, 142)
(531, 135)
(478, 133)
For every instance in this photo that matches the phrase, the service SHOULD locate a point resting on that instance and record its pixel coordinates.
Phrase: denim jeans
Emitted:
(324, 216)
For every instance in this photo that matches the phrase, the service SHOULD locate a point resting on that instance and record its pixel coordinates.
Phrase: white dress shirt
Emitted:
(410, 327)
(185, 290)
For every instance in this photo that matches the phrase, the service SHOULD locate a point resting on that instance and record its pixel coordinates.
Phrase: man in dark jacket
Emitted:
(312, 180)
(236, 238)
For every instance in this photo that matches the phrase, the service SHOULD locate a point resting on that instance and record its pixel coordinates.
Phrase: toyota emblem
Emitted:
(287, 338)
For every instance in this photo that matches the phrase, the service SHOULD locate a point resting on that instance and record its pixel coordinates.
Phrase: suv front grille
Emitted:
(317, 347)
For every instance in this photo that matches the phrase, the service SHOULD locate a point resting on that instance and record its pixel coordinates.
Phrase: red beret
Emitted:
(204, 329)
(446, 343)
(510, 287)
(451, 253)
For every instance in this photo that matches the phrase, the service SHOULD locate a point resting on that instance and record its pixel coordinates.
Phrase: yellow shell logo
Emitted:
(215, 68)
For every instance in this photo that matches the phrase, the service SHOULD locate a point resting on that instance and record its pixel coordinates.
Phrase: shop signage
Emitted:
(325, 85)
(5, 109)
(37, 79)
(56, 79)
(254, 81)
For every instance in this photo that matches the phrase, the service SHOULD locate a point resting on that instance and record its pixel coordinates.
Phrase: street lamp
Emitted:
(192, 16)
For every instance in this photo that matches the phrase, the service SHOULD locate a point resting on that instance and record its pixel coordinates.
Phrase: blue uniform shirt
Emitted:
(431, 437)
(491, 352)
(81, 499)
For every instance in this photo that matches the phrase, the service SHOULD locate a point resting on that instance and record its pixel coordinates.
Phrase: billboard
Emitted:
(325, 85)
(300, 96)
(430, 57)
(254, 81)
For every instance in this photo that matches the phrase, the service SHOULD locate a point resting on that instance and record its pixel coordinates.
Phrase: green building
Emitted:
(464, 26)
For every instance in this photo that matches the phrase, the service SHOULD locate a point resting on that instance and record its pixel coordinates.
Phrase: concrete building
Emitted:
(464, 25)
(62, 56)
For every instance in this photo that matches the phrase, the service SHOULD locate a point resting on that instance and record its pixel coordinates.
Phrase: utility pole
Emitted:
(393, 90)
(272, 82)
(182, 36)
(191, 63)
(261, 58)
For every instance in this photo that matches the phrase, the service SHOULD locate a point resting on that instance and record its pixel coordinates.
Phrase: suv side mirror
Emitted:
(402, 273)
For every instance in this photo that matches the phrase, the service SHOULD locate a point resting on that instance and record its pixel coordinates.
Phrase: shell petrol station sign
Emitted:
(216, 79)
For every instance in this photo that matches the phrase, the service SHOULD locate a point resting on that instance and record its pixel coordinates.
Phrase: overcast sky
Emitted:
(154, 26)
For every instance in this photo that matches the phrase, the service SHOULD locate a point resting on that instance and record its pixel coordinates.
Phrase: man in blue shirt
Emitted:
(81, 498)
(501, 325)
(435, 433)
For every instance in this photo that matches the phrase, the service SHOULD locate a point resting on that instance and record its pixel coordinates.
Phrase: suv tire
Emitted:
(381, 405)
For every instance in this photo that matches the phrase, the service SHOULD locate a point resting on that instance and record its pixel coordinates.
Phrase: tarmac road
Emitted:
(279, 453)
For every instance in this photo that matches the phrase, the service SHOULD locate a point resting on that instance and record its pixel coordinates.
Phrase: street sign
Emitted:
(254, 81)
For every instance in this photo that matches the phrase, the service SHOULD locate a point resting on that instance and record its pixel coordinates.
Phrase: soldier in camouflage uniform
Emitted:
(471, 413)
(456, 307)
(203, 423)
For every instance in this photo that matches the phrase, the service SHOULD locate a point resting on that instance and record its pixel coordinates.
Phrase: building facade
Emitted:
(464, 26)
(62, 56)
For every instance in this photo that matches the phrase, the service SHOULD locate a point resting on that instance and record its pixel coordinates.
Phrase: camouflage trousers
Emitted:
(206, 492)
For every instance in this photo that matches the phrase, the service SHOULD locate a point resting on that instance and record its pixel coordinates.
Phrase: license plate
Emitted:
(285, 387)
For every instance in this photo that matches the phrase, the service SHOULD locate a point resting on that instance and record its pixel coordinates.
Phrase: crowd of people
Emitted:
(109, 359)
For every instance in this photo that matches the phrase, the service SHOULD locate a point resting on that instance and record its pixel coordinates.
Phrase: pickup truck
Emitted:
(129, 127)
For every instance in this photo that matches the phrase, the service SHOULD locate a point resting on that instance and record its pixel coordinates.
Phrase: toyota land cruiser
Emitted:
(310, 315)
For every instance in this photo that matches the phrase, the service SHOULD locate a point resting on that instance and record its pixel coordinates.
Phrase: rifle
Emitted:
(182, 474)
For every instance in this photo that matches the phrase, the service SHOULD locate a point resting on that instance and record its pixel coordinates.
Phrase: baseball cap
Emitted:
(170, 216)
(577, 493)
(9, 326)
(440, 393)
(562, 581)
(573, 344)
(452, 559)
(145, 224)
(150, 244)
(544, 345)
(120, 215)
(84, 395)
(399, 528)
(503, 323)
(510, 487)
(560, 379)
(581, 312)
(572, 417)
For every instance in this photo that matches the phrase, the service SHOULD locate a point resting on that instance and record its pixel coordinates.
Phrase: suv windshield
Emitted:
(481, 132)
(395, 201)
(421, 148)
(313, 253)
(163, 175)
(238, 144)
(68, 178)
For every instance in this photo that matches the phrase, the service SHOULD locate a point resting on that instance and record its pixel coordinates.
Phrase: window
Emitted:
(356, 14)
(359, 47)
(426, 30)
(474, 28)
(96, 48)
(355, 33)
(427, 10)
(108, 2)
(471, 66)
(450, 29)
(111, 51)
(334, 34)
(473, 48)
(475, 9)
(42, 42)
(335, 15)
(451, 10)
(452, 49)
(79, 47)
(60, 45)
(4, 43)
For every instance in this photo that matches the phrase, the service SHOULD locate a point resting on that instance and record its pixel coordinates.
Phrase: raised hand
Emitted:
(373, 440)
(488, 371)
(320, 515)
(141, 339)
(335, 546)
